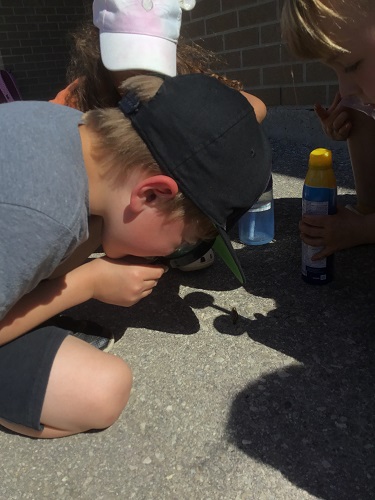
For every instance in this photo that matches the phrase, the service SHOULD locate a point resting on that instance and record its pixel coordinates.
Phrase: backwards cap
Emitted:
(205, 136)
(139, 34)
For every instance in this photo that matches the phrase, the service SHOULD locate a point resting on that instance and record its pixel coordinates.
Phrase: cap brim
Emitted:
(125, 51)
(223, 247)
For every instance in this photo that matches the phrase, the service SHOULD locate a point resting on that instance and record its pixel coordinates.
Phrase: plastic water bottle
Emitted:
(257, 225)
(318, 198)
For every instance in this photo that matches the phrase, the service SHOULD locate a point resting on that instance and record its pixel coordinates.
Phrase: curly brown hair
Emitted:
(94, 87)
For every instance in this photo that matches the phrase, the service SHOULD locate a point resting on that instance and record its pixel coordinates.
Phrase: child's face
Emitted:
(150, 234)
(356, 69)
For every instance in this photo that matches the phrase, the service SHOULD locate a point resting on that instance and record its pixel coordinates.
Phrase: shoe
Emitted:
(88, 331)
(205, 261)
(105, 344)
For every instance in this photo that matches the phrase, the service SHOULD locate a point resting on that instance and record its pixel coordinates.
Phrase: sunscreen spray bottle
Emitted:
(318, 198)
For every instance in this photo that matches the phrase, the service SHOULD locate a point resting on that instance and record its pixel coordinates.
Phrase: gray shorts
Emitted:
(25, 366)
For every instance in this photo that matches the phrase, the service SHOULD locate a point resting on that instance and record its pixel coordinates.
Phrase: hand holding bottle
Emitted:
(318, 199)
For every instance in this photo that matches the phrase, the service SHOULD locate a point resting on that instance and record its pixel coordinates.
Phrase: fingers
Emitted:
(322, 254)
(330, 233)
(151, 263)
(118, 282)
(335, 102)
(316, 232)
(320, 111)
(318, 242)
(340, 120)
(334, 108)
(312, 230)
(148, 288)
(313, 221)
(339, 132)
(335, 120)
(313, 241)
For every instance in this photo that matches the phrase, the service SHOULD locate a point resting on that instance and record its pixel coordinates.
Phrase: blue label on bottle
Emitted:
(317, 201)
(312, 197)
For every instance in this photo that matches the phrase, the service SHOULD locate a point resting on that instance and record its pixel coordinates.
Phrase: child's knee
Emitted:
(112, 390)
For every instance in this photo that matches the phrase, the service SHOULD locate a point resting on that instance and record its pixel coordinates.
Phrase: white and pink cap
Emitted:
(139, 34)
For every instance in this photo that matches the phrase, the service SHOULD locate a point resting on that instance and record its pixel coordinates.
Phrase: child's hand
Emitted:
(334, 120)
(123, 283)
(345, 229)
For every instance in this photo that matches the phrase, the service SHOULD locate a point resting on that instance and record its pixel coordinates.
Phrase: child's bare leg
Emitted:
(87, 389)
(361, 145)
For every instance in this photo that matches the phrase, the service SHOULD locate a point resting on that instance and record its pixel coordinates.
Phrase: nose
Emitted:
(348, 87)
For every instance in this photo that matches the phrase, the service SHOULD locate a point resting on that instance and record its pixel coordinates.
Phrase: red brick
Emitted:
(244, 33)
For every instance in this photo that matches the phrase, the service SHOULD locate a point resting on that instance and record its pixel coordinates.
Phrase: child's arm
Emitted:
(258, 105)
(336, 232)
(111, 281)
(361, 145)
(64, 97)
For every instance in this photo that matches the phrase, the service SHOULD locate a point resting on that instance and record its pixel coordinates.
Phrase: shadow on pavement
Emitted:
(314, 420)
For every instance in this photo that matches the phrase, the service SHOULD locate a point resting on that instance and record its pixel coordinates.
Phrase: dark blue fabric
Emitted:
(25, 365)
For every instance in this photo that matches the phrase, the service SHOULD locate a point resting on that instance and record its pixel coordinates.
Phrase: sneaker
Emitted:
(205, 261)
(88, 331)
(105, 344)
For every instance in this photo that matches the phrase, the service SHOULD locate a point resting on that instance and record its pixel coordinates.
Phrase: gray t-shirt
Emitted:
(43, 194)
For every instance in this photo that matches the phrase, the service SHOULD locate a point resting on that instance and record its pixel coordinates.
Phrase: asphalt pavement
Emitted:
(278, 405)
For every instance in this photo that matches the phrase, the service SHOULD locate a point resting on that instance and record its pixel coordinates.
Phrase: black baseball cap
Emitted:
(205, 136)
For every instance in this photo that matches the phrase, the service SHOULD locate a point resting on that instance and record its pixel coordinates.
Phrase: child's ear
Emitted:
(151, 190)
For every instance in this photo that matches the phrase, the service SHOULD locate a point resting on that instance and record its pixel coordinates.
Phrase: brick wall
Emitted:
(34, 43)
(246, 35)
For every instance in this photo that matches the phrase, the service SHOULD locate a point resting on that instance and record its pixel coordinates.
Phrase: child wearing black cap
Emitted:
(161, 171)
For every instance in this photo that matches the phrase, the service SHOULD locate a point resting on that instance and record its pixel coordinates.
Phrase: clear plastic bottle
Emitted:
(318, 198)
(257, 225)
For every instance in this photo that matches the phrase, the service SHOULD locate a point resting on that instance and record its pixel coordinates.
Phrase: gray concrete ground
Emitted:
(279, 405)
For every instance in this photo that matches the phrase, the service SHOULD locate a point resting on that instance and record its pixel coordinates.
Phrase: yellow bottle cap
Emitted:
(320, 158)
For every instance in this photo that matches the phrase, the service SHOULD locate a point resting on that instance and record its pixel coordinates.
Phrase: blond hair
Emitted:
(120, 151)
(301, 25)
